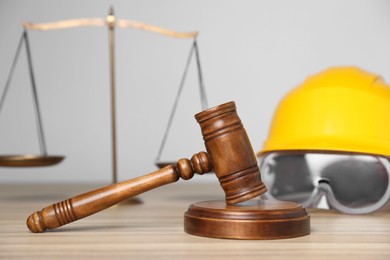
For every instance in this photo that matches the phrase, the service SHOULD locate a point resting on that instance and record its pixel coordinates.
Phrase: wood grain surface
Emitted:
(154, 229)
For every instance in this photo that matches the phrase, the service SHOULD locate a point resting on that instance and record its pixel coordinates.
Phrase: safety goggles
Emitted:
(351, 183)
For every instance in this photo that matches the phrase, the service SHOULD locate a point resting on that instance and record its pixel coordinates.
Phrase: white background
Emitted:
(252, 52)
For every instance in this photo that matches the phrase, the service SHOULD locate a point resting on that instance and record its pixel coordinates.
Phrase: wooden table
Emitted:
(153, 229)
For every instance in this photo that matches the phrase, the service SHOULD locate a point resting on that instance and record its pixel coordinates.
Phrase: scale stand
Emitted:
(111, 22)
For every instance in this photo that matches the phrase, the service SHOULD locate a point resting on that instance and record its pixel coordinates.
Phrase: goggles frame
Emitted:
(324, 189)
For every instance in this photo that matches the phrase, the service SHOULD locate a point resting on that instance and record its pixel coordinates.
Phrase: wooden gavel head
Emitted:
(231, 153)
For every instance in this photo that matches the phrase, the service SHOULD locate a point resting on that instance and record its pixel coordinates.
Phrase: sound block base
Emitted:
(254, 219)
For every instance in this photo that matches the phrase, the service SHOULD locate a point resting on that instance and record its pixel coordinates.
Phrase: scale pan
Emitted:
(29, 160)
(162, 164)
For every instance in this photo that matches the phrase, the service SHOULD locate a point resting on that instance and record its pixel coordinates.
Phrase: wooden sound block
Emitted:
(254, 219)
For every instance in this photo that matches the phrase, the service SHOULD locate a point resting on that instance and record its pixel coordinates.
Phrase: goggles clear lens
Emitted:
(351, 183)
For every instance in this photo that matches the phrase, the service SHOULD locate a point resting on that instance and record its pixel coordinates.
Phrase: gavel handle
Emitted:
(86, 204)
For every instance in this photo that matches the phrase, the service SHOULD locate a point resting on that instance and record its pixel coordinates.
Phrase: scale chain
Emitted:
(11, 73)
(183, 78)
(38, 116)
(202, 90)
(24, 38)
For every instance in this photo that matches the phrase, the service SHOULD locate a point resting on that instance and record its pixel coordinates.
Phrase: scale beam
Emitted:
(100, 22)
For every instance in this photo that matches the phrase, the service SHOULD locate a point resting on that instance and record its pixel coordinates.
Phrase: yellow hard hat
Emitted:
(340, 109)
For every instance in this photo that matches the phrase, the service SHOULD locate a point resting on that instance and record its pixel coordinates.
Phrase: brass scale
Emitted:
(44, 158)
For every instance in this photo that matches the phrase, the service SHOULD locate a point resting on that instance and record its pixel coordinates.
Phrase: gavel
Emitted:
(229, 154)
